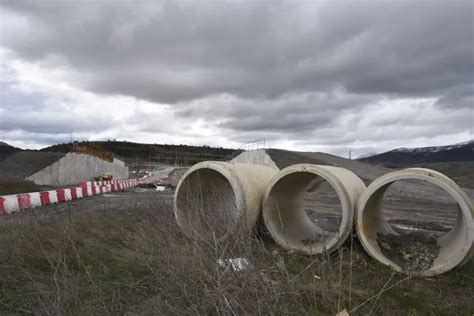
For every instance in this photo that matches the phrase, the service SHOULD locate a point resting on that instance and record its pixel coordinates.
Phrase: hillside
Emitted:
(140, 153)
(462, 172)
(26, 162)
(285, 158)
(6, 150)
(406, 156)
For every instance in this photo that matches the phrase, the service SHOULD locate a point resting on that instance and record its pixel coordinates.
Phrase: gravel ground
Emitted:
(124, 201)
(411, 251)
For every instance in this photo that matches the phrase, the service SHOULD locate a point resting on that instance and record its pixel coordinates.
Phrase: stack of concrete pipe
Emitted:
(217, 199)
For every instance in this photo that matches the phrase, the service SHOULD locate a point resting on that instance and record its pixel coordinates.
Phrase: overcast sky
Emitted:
(307, 75)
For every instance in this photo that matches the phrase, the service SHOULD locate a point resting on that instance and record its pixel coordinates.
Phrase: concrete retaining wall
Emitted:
(255, 157)
(75, 167)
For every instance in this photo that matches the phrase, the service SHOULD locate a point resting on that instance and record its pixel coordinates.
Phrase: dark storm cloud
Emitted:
(264, 68)
(172, 51)
(290, 114)
(461, 96)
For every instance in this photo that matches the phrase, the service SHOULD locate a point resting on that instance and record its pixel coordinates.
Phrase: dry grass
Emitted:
(138, 262)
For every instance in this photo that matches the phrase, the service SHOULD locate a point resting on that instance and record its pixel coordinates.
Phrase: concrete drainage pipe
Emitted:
(219, 198)
(285, 207)
(455, 247)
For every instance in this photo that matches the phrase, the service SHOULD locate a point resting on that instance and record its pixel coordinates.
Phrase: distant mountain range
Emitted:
(409, 156)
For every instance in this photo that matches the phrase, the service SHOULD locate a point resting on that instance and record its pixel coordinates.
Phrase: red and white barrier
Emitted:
(17, 202)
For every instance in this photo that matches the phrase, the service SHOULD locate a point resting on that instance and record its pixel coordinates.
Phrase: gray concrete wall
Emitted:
(75, 167)
(255, 157)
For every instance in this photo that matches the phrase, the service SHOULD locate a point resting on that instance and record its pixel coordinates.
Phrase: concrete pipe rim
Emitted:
(464, 223)
(347, 219)
(233, 180)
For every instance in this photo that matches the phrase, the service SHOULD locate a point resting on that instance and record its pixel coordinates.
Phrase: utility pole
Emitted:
(350, 155)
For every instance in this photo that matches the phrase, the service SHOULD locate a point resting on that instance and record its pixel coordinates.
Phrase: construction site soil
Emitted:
(25, 163)
(366, 172)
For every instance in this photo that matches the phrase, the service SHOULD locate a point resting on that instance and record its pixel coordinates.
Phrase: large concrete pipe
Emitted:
(285, 213)
(219, 198)
(453, 248)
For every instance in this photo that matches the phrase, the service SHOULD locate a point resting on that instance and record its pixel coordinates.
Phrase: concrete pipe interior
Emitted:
(310, 210)
(416, 220)
(207, 205)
